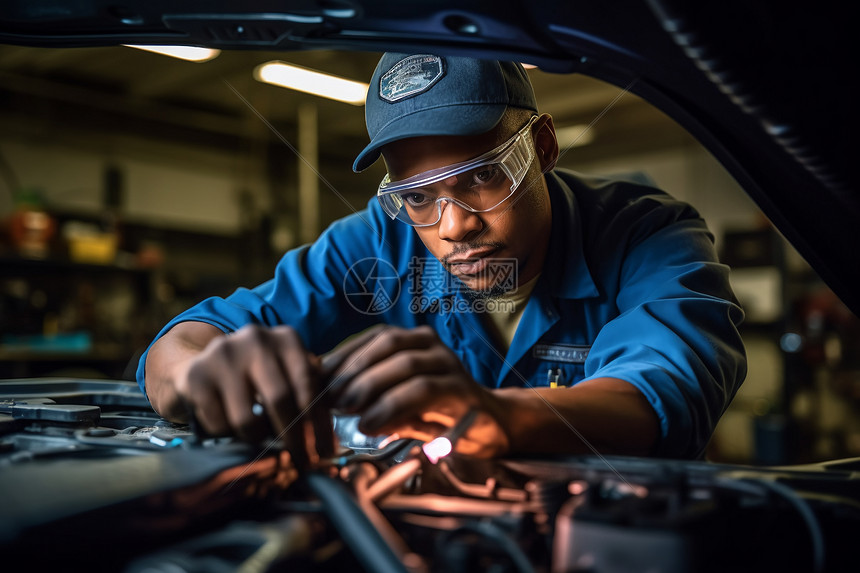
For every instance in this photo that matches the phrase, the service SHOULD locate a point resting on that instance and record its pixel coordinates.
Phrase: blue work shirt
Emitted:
(631, 289)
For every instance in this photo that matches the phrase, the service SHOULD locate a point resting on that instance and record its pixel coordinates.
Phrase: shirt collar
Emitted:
(565, 266)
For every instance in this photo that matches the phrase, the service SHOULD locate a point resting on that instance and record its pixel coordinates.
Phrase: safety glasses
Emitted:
(478, 185)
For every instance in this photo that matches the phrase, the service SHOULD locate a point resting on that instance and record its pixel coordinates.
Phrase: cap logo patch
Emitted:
(410, 77)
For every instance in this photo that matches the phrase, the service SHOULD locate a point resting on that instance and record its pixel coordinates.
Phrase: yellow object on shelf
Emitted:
(99, 249)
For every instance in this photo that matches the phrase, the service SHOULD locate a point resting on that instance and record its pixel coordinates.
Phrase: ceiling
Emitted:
(219, 104)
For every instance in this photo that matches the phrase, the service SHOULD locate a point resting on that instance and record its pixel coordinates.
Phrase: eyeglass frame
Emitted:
(495, 156)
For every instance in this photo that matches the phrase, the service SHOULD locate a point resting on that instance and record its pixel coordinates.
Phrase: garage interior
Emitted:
(149, 183)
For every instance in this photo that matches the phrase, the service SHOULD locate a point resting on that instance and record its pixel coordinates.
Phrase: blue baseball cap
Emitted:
(413, 95)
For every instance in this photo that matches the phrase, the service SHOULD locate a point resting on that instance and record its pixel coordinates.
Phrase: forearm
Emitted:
(165, 361)
(606, 414)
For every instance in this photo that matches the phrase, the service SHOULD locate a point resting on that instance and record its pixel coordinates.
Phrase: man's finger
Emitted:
(261, 380)
(407, 402)
(199, 389)
(304, 416)
(367, 386)
(238, 402)
(332, 361)
(208, 411)
(299, 366)
(377, 348)
(323, 433)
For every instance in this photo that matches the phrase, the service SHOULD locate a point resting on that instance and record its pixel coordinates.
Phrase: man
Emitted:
(571, 314)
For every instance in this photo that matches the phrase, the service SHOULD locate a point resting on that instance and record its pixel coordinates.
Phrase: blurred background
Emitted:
(133, 184)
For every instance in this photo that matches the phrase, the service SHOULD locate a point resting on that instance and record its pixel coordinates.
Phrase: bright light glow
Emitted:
(577, 487)
(392, 438)
(437, 449)
(189, 53)
(312, 82)
(574, 136)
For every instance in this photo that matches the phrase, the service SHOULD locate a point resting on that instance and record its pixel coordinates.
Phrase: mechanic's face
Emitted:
(466, 242)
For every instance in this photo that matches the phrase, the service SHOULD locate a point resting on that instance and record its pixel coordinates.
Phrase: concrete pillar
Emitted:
(309, 188)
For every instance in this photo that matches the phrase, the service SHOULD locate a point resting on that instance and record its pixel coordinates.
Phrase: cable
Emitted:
(498, 537)
(487, 490)
(354, 527)
(817, 536)
(389, 451)
(815, 533)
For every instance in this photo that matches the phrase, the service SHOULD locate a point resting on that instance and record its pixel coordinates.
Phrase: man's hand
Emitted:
(400, 381)
(254, 383)
(409, 383)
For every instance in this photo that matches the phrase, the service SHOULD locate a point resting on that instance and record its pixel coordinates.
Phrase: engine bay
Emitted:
(93, 479)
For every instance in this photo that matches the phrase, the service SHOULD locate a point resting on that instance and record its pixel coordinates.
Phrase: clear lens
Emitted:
(481, 184)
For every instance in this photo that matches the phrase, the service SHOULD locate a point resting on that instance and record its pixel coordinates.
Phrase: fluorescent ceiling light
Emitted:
(312, 82)
(189, 53)
(574, 135)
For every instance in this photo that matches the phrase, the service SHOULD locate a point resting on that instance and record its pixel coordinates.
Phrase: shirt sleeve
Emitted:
(307, 290)
(675, 337)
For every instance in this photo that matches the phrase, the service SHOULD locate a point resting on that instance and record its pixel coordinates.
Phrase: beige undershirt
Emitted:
(501, 319)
